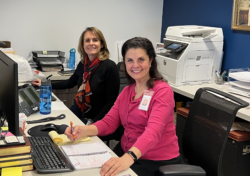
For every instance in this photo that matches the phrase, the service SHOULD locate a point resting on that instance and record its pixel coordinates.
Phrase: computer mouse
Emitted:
(49, 127)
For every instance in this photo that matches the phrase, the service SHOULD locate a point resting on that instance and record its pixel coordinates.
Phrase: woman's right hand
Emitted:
(78, 132)
(36, 82)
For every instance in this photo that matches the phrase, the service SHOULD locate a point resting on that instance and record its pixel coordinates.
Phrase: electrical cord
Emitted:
(62, 116)
(3, 119)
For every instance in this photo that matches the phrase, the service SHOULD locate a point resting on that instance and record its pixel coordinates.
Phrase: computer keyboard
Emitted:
(47, 157)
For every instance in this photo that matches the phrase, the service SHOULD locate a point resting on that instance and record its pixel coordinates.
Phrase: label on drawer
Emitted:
(246, 149)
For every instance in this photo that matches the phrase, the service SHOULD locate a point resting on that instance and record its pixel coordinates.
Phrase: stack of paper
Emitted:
(241, 76)
(242, 84)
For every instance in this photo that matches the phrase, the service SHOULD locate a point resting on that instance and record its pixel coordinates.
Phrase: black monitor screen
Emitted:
(9, 92)
(174, 46)
(34, 95)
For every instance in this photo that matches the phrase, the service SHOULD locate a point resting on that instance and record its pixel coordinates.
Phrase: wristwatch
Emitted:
(133, 155)
(90, 121)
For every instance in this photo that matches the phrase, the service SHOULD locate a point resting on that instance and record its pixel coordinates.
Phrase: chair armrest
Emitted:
(182, 169)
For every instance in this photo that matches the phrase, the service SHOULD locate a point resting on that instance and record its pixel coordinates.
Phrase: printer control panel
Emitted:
(174, 46)
(174, 49)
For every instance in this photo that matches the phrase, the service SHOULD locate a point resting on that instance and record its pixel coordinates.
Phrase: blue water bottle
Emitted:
(72, 58)
(45, 96)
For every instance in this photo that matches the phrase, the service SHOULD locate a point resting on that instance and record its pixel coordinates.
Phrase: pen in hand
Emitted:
(72, 129)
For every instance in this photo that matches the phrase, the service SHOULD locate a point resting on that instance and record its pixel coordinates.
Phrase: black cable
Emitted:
(3, 118)
(62, 116)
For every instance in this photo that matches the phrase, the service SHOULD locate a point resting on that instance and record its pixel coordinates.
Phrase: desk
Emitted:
(55, 76)
(69, 117)
(189, 91)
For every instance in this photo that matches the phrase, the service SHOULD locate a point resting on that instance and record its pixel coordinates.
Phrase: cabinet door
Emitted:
(66, 95)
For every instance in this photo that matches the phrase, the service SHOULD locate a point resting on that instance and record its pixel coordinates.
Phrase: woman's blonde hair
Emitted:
(104, 52)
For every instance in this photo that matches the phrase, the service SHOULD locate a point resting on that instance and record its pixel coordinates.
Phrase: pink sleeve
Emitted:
(162, 109)
(111, 121)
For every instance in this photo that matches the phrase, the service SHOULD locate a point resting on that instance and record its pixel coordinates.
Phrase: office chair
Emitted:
(206, 132)
(123, 79)
(123, 83)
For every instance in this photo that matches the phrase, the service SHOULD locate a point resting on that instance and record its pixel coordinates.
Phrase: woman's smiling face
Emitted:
(92, 44)
(137, 64)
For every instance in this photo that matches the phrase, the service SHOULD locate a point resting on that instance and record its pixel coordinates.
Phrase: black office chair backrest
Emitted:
(123, 79)
(208, 125)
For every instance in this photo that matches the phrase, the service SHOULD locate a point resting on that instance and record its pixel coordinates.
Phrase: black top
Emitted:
(104, 85)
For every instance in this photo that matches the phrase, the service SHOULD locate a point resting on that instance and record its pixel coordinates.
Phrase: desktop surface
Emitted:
(190, 90)
(69, 117)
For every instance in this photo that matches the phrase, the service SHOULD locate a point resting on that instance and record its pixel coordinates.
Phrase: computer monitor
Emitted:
(9, 104)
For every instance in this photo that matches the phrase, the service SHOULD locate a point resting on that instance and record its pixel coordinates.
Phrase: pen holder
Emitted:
(221, 81)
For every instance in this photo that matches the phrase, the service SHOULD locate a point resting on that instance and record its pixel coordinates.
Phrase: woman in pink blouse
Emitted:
(145, 108)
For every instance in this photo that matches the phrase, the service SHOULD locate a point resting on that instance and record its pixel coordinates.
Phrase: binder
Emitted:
(16, 149)
(16, 162)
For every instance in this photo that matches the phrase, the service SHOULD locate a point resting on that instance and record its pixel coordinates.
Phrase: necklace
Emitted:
(138, 91)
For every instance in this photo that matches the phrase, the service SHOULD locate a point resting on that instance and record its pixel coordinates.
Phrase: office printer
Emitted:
(193, 54)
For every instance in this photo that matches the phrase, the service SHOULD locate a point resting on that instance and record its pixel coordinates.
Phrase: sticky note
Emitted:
(5, 128)
(15, 171)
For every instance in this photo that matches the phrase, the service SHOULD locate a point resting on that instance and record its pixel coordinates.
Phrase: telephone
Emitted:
(29, 100)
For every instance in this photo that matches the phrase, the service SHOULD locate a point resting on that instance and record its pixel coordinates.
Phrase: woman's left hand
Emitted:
(115, 165)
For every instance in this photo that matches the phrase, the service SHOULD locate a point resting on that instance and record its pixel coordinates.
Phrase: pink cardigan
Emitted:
(152, 131)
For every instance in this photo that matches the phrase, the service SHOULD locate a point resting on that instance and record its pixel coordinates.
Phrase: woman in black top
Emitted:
(100, 86)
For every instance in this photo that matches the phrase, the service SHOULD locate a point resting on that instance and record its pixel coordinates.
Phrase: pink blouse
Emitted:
(151, 131)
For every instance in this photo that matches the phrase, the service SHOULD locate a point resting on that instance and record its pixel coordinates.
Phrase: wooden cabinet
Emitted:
(65, 95)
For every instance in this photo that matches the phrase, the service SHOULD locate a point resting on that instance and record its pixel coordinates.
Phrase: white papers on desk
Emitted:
(84, 156)
(240, 126)
(58, 105)
(7, 49)
(47, 55)
(241, 76)
(239, 91)
(51, 62)
(244, 85)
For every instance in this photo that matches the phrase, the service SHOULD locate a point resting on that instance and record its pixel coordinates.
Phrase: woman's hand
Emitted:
(36, 82)
(78, 132)
(115, 165)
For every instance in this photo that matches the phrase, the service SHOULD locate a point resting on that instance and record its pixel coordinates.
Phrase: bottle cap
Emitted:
(46, 82)
(72, 50)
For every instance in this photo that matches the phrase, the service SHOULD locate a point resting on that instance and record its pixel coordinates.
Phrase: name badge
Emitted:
(147, 95)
